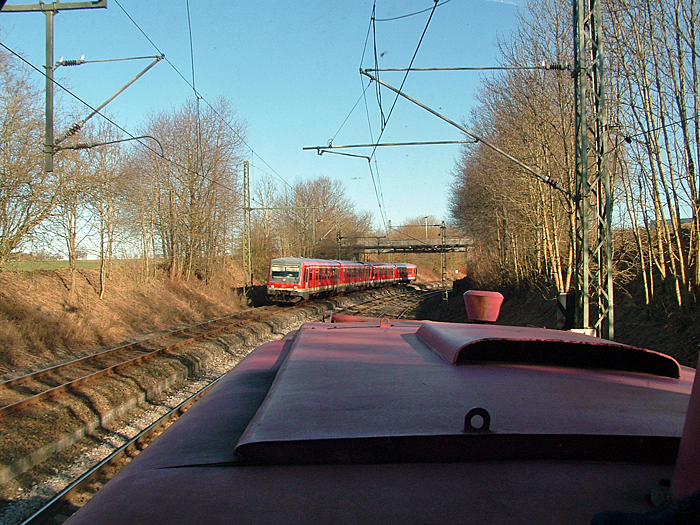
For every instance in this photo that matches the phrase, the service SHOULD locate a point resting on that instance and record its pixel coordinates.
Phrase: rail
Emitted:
(45, 513)
(188, 335)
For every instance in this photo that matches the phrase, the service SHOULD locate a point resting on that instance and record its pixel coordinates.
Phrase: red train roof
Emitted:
(377, 422)
(345, 389)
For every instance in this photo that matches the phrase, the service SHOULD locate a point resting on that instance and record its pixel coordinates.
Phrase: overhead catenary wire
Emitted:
(198, 161)
(391, 19)
(369, 120)
(371, 30)
(197, 94)
(544, 178)
(408, 70)
(377, 70)
(69, 92)
(396, 98)
(374, 182)
(351, 111)
(378, 89)
(111, 121)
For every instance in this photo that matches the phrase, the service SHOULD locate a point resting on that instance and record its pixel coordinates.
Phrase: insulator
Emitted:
(71, 62)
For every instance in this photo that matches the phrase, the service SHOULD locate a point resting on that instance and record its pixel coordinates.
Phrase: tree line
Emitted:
(171, 200)
(523, 229)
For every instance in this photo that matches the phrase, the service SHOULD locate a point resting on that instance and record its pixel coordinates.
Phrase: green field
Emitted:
(29, 266)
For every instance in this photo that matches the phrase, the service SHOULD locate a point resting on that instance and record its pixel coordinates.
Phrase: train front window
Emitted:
(285, 274)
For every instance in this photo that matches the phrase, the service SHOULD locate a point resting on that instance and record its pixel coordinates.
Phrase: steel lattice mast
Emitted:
(594, 279)
(246, 241)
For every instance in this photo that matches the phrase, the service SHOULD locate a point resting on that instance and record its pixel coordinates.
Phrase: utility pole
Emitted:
(443, 262)
(313, 231)
(247, 209)
(246, 248)
(593, 199)
(337, 235)
(50, 10)
(388, 235)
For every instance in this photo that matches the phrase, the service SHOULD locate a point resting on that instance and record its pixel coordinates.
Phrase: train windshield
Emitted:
(285, 274)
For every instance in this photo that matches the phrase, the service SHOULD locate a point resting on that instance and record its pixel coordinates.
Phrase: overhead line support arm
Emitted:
(75, 128)
(50, 11)
(544, 178)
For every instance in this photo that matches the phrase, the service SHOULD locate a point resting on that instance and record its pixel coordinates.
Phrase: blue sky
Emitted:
(291, 70)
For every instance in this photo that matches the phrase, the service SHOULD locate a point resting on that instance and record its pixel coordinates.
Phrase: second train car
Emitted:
(295, 278)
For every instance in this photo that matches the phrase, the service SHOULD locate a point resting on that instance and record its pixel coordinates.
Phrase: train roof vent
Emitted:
(476, 343)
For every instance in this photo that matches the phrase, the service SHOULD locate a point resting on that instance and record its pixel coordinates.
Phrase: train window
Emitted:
(284, 273)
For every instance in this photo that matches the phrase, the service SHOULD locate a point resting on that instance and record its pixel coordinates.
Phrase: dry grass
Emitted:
(41, 321)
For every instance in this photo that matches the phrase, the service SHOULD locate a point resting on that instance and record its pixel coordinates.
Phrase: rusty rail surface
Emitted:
(189, 335)
(140, 441)
(376, 307)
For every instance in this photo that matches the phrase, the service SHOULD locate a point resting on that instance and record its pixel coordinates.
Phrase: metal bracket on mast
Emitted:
(75, 128)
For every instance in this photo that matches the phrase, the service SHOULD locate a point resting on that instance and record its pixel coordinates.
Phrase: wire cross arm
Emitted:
(324, 149)
(89, 145)
(544, 178)
(376, 145)
(81, 61)
(75, 128)
(544, 66)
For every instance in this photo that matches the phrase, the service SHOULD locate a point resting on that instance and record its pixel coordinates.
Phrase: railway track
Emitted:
(394, 307)
(79, 492)
(379, 304)
(21, 392)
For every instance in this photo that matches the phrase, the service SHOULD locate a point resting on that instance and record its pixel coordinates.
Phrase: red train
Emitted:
(411, 422)
(294, 278)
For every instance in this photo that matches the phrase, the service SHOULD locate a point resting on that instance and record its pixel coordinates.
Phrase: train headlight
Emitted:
(272, 286)
(295, 287)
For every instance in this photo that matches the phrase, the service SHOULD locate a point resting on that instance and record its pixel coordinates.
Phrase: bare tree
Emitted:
(71, 220)
(654, 50)
(311, 216)
(28, 195)
(194, 191)
(108, 188)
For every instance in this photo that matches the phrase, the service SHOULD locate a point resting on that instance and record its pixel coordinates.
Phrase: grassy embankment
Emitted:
(41, 321)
